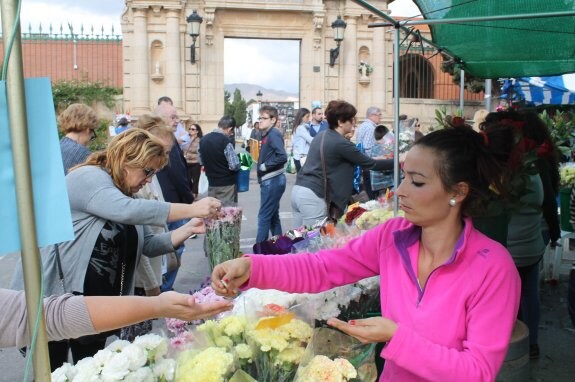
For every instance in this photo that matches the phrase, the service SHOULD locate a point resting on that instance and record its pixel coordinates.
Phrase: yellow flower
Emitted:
(224, 342)
(209, 365)
(323, 369)
(297, 329)
(233, 325)
(291, 354)
(244, 351)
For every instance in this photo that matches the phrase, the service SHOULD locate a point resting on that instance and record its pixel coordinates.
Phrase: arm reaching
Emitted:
(229, 276)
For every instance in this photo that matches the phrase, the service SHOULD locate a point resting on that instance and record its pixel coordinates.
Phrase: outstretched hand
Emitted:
(185, 307)
(228, 276)
(374, 329)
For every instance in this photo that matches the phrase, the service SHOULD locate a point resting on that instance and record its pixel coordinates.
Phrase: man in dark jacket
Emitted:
(221, 162)
(174, 184)
(271, 175)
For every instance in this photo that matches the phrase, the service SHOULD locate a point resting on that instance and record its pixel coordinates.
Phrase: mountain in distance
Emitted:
(249, 92)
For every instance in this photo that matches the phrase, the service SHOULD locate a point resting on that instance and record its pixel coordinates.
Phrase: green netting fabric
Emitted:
(511, 48)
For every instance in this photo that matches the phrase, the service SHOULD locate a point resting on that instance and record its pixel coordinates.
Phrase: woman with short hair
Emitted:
(78, 123)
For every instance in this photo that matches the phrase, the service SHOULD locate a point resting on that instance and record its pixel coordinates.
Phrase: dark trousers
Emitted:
(194, 170)
(297, 165)
(367, 184)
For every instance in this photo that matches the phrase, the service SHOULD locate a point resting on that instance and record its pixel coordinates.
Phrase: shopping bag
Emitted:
(290, 169)
(203, 184)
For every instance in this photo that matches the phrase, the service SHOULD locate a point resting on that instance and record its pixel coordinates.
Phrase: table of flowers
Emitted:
(269, 335)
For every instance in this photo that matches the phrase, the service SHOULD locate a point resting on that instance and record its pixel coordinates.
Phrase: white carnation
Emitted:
(137, 357)
(116, 369)
(61, 373)
(104, 356)
(165, 368)
(117, 345)
(143, 374)
(86, 369)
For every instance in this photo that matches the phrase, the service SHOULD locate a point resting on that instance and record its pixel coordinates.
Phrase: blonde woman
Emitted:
(111, 228)
(78, 123)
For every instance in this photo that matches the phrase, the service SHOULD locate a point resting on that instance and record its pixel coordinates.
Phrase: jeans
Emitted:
(169, 277)
(271, 191)
(529, 307)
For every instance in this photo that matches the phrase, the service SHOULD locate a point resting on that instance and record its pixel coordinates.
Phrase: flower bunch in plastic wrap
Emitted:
(267, 348)
(143, 360)
(223, 236)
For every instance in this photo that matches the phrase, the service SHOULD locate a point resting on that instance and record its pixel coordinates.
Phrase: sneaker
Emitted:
(534, 351)
(193, 236)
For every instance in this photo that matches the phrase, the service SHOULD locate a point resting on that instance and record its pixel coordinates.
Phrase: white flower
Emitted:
(116, 369)
(86, 369)
(117, 345)
(156, 345)
(143, 374)
(165, 368)
(137, 356)
(60, 374)
(104, 356)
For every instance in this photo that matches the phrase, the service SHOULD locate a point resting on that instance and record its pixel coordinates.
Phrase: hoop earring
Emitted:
(452, 202)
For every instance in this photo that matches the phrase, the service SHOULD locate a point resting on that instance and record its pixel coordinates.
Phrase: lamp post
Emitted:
(259, 96)
(194, 20)
(338, 29)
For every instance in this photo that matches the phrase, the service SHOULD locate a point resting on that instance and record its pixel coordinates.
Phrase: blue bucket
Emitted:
(243, 180)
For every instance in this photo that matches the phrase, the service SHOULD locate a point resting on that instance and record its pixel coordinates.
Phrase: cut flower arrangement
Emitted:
(144, 360)
(223, 236)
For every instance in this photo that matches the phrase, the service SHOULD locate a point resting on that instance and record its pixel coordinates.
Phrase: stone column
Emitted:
(173, 58)
(348, 56)
(140, 64)
(378, 76)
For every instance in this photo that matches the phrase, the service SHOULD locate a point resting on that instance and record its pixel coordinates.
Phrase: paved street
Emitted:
(557, 337)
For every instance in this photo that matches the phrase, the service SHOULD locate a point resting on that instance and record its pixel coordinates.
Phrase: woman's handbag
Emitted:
(333, 212)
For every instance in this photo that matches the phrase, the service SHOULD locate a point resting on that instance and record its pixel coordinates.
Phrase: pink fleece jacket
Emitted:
(456, 327)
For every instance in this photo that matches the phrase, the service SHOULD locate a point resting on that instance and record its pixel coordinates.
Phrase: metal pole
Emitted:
(396, 117)
(488, 95)
(23, 181)
(463, 20)
(462, 90)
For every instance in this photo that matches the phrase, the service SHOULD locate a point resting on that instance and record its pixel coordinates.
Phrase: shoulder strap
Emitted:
(323, 170)
(59, 265)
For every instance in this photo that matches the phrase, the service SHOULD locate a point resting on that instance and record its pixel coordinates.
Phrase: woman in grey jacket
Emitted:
(110, 228)
(340, 156)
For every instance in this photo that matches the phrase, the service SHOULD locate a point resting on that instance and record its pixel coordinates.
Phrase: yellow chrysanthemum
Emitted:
(292, 354)
(210, 365)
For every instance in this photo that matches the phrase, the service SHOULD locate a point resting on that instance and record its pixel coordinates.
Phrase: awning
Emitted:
(510, 48)
(557, 90)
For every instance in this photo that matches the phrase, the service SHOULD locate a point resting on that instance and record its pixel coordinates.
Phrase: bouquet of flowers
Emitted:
(567, 175)
(334, 356)
(267, 348)
(223, 236)
(143, 360)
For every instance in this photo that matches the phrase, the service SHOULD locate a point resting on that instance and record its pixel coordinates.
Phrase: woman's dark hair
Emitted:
(339, 111)
(528, 125)
(379, 132)
(299, 118)
(464, 155)
(200, 133)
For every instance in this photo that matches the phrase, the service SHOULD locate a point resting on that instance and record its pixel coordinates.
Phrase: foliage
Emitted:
(66, 93)
(444, 120)
(236, 108)
(101, 140)
(561, 125)
(472, 84)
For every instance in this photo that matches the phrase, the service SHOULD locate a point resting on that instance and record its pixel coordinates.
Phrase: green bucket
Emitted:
(564, 201)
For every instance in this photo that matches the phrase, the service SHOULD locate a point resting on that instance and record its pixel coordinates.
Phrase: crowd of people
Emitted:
(450, 294)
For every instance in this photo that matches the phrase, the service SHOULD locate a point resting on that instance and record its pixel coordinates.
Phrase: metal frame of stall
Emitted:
(400, 25)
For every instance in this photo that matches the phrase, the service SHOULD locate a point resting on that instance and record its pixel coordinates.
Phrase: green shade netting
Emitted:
(510, 48)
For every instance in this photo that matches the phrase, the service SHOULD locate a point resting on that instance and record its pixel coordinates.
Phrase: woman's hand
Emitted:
(374, 329)
(228, 276)
(185, 307)
(206, 208)
(195, 226)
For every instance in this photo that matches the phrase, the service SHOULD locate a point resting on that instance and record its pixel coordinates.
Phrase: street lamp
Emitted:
(259, 96)
(194, 20)
(338, 28)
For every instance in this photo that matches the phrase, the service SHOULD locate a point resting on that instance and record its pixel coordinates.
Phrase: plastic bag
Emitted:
(290, 169)
(203, 184)
(333, 351)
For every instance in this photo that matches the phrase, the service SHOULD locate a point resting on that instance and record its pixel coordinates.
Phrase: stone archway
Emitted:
(157, 52)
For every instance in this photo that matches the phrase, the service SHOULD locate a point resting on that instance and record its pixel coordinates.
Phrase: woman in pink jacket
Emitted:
(449, 294)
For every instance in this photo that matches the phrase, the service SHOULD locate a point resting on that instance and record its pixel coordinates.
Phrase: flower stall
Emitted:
(270, 335)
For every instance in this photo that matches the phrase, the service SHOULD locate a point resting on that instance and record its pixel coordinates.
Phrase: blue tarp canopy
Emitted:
(556, 90)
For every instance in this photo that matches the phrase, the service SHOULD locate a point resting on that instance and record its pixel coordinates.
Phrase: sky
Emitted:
(246, 61)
